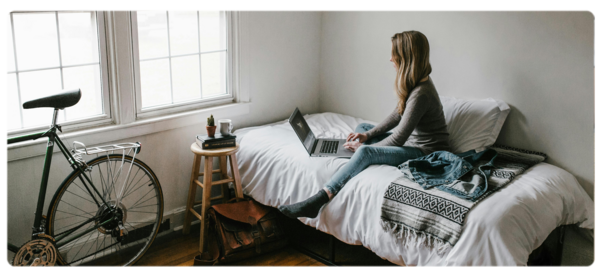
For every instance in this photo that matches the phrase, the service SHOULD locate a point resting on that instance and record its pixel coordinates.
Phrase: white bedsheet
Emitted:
(502, 230)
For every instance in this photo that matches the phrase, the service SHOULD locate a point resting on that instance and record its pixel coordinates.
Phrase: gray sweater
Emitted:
(422, 125)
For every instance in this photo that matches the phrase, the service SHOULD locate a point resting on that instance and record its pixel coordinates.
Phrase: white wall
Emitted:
(540, 63)
(280, 52)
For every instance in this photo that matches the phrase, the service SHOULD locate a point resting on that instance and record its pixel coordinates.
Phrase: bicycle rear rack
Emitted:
(104, 149)
(126, 148)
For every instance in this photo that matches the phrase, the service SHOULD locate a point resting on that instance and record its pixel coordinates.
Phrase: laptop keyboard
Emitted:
(329, 147)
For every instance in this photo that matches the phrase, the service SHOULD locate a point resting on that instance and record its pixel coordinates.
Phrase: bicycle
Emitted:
(101, 214)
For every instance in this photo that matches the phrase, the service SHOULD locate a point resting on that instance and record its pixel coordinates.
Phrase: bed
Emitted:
(501, 230)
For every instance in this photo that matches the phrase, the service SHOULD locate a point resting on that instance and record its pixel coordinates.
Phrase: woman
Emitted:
(418, 118)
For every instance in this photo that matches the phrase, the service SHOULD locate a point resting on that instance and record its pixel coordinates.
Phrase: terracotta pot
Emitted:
(211, 130)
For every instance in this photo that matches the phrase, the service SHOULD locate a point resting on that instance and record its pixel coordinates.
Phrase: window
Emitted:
(52, 51)
(182, 59)
(128, 65)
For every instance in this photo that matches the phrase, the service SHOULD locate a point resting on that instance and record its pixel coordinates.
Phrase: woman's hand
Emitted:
(354, 135)
(351, 143)
(352, 146)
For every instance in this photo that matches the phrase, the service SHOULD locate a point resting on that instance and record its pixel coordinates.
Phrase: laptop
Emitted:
(317, 147)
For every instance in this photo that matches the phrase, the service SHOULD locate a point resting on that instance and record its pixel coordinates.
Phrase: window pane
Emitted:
(14, 116)
(37, 84)
(86, 78)
(213, 31)
(183, 28)
(186, 78)
(152, 34)
(78, 38)
(214, 74)
(155, 82)
(10, 61)
(36, 40)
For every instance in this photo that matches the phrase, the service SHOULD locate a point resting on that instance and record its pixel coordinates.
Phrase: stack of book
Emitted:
(218, 141)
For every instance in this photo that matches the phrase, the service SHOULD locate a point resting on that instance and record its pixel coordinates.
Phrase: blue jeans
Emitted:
(367, 155)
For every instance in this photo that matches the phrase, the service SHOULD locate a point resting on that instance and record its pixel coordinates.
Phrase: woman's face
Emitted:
(392, 59)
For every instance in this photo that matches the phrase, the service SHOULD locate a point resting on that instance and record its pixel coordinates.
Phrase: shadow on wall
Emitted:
(516, 124)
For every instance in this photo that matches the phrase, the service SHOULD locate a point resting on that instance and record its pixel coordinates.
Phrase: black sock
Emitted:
(308, 208)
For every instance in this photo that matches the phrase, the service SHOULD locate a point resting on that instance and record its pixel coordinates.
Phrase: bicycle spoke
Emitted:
(132, 179)
(76, 214)
(58, 234)
(102, 183)
(142, 197)
(126, 177)
(144, 206)
(74, 229)
(96, 253)
(87, 190)
(88, 251)
(108, 180)
(132, 185)
(75, 207)
(137, 189)
(72, 215)
(81, 247)
(116, 243)
(80, 197)
(133, 206)
(112, 179)
(83, 190)
(142, 212)
(115, 178)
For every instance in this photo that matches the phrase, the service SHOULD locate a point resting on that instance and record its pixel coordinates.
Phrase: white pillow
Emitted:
(473, 124)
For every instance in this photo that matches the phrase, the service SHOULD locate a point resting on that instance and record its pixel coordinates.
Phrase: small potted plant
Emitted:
(210, 126)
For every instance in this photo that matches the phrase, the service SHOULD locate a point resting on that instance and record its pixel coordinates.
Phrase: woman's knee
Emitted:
(363, 127)
(364, 151)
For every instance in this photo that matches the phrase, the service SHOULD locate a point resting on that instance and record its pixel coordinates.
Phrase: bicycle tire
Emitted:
(82, 203)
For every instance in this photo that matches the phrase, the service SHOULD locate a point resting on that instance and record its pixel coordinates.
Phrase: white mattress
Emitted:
(502, 230)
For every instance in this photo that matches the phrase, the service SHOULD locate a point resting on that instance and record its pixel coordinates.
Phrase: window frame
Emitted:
(155, 111)
(120, 74)
(103, 61)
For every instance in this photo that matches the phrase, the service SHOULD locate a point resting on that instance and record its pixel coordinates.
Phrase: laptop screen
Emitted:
(301, 128)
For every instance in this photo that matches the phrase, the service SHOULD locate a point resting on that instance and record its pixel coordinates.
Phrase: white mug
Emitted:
(226, 127)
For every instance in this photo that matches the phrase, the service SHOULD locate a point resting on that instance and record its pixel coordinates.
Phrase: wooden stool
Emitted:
(223, 154)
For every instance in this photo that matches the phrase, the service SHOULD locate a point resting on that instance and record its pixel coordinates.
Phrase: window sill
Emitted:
(112, 133)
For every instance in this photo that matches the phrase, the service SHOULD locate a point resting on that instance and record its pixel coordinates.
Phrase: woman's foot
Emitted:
(308, 208)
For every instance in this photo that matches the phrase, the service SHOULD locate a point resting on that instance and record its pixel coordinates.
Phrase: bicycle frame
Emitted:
(38, 226)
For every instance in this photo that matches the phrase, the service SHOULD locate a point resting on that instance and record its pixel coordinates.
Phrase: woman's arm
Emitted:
(414, 111)
(388, 123)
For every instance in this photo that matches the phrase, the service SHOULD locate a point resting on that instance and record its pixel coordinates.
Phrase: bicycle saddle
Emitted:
(64, 99)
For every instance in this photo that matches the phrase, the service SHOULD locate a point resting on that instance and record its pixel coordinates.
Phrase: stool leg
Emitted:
(236, 176)
(191, 195)
(224, 187)
(205, 200)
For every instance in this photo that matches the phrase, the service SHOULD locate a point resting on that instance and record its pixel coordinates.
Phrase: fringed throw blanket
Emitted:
(434, 218)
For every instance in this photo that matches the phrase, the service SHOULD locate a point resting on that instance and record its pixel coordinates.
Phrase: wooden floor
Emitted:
(177, 251)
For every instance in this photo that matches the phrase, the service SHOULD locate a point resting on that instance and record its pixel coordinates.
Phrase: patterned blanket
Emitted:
(434, 218)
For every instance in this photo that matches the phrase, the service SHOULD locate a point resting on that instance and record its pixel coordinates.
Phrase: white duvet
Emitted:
(502, 230)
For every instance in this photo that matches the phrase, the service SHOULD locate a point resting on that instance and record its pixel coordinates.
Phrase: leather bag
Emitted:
(241, 230)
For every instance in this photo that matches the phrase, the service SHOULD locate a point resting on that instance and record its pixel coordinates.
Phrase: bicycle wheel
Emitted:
(128, 200)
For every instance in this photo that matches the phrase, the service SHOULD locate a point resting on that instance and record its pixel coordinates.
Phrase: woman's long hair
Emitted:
(410, 52)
